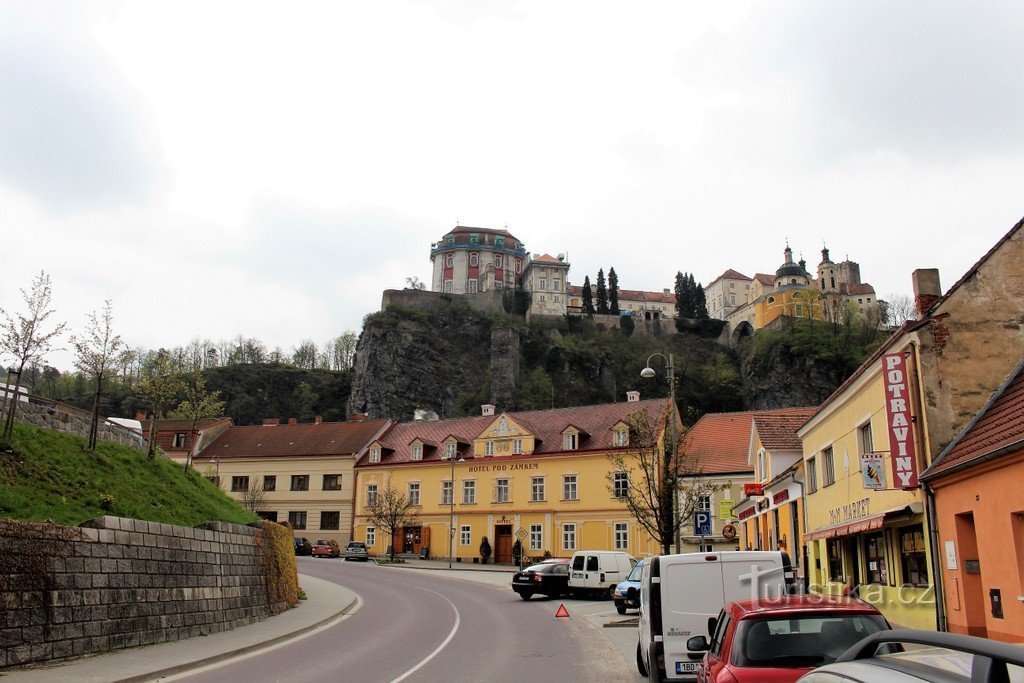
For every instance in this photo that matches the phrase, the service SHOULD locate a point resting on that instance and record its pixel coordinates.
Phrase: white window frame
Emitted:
(536, 537)
(414, 493)
(621, 535)
(371, 495)
(570, 441)
(517, 446)
(569, 536)
(371, 536)
(469, 492)
(465, 535)
(621, 438)
(417, 451)
(474, 259)
(375, 454)
(447, 492)
(570, 484)
(489, 447)
(538, 489)
(449, 449)
(473, 286)
(500, 495)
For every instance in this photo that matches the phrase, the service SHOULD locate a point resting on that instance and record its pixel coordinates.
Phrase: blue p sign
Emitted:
(702, 523)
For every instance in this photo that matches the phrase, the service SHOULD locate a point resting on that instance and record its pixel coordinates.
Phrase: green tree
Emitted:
(588, 298)
(536, 391)
(613, 292)
(96, 351)
(27, 339)
(304, 401)
(198, 404)
(682, 300)
(700, 308)
(157, 389)
(602, 293)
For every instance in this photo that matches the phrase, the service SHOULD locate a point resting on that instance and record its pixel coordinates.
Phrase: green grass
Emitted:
(50, 475)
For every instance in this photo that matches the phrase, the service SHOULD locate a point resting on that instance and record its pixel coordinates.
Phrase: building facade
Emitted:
(544, 476)
(726, 293)
(471, 260)
(546, 278)
(642, 305)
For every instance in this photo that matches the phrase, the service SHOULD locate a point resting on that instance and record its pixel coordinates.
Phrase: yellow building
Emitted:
(866, 525)
(297, 473)
(542, 476)
(772, 516)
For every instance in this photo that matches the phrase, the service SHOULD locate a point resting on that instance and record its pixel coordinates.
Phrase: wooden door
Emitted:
(503, 544)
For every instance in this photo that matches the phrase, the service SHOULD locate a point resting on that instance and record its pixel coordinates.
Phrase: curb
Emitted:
(220, 657)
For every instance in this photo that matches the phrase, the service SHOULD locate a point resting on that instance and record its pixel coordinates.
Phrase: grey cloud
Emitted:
(70, 134)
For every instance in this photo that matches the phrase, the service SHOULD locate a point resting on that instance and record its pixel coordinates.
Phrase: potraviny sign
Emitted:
(902, 451)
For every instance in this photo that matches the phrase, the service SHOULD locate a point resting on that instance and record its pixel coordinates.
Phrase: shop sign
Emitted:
(728, 532)
(753, 490)
(505, 468)
(745, 514)
(725, 509)
(872, 472)
(850, 511)
(897, 412)
(762, 505)
(780, 497)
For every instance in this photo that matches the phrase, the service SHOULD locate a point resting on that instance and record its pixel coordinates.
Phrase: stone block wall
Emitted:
(115, 583)
(51, 415)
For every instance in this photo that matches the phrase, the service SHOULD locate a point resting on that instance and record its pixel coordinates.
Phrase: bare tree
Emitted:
(899, 309)
(157, 389)
(414, 283)
(304, 355)
(198, 404)
(391, 509)
(646, 478)
(344, 351)
(254, 498)
(96, 352)
(26, 338)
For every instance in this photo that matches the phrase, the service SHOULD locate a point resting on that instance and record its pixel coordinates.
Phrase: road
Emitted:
(414, 625)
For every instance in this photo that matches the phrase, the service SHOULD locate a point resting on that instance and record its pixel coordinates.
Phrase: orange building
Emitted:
(980, 508)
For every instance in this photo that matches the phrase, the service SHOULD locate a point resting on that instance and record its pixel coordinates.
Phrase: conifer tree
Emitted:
(613, 292)
(700, 303)
(602, 294)
(691, 291)
(680, 291)
(588, 298)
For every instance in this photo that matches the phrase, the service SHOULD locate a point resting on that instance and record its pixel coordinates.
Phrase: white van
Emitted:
(680, 593)
(598, 571)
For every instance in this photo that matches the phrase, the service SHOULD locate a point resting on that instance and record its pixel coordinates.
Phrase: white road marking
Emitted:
(283, 643)
(444, 643)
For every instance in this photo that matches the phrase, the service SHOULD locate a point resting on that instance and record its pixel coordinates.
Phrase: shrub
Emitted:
(277, 551)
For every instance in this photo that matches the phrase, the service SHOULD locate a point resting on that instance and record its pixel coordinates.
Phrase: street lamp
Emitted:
(451, 506)
(216, 463)
(647, 373)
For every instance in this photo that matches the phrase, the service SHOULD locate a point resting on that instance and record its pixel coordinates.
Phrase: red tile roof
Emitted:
(630, 295)
(548, 258)
(492, 231)
(729, 274)
(720, 442)
(765, 278)
(325, 439)
(547, 425)
(182, 425)
(777, 430)
(998, 425)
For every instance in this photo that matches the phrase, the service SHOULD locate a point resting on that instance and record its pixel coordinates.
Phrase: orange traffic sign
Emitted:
(562, 612)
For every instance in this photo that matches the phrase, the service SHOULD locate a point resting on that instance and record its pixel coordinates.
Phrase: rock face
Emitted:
(408, 360)
(785, 380)
(504, 365)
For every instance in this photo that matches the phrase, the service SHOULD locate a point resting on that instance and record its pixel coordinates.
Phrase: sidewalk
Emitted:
(326, 601)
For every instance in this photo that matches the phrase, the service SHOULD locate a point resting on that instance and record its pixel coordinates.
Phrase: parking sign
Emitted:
(702, 523)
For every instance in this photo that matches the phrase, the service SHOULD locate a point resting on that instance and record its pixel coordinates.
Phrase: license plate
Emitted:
(577, 575)
(686, 667)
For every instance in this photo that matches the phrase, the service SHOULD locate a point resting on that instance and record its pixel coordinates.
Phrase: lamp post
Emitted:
(647, 373)
(216, 463)
(451, 507)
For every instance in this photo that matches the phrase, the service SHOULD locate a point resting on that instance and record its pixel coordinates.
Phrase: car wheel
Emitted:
(620, 608)
(611, 593)
(640, 662)
(526, 596)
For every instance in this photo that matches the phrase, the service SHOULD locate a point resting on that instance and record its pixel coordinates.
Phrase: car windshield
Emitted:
(800, 640)
(356, 545)
(637, 572)
(538, 567)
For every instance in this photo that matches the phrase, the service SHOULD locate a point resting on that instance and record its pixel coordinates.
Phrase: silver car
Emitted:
(356, 550)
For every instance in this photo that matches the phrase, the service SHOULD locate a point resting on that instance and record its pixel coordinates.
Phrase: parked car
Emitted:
(598, 571)
(303, 546)
(326, 547)
(781, 639)
(356, 550)
(945, 657)
(627, 593)
(547, 578)
(679, 593)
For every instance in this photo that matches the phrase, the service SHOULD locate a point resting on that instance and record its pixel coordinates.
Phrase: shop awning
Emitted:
(866, 524)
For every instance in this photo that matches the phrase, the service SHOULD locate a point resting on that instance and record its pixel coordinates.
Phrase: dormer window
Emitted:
(517, 446)
(474, 238)
(417, 451)
(489, 448)
(570, 441)
(179, 439)
(449, 449)
(375, 454)
(621, 438)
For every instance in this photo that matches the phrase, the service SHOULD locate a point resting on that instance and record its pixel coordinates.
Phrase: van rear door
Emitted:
(747, 575)
(691, 592)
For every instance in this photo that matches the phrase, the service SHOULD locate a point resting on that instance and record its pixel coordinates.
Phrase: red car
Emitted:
(326, 547)
(781, 639)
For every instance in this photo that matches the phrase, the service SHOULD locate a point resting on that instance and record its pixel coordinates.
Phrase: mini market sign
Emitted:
(902, 451)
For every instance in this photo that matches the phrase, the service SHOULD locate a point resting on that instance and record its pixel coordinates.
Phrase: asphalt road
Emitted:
(428, 626)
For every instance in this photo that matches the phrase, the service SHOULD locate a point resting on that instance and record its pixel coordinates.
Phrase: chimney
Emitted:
(632, 397)
(668, 292)
(318, 420)
(487, 409)
(927, 289)
(271, 422)
(357, 417)
(292, 421)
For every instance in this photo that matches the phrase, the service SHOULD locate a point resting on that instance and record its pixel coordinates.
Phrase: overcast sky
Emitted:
(268, 169)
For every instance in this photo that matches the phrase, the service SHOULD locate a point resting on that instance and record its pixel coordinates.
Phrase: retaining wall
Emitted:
(115, 583)
(51, 415)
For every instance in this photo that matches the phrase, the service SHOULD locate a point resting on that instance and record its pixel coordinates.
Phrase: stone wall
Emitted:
(504, 366)
(115, 583)
(64, 418)
(485, 302)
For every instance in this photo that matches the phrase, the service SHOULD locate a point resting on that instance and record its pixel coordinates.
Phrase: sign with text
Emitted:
(753, 489)
(872, 471)
(902, 451)
(702, 523)
(725, 509)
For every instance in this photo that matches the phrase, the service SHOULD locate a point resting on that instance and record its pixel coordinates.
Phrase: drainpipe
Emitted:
(929, 496)
(802, 557)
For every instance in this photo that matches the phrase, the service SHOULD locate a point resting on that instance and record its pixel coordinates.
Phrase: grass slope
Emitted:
(49, 475)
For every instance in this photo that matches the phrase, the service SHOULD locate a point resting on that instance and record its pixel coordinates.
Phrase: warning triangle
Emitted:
(562, 612)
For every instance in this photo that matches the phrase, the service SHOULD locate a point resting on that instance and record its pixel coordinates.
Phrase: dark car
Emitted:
(356, 550)
(778, 640)
(326, 547)
(303, 546)
(627, 593)
(547, 578)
